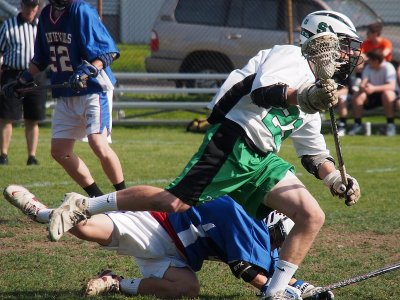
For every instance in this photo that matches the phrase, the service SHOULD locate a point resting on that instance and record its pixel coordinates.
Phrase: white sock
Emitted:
(43, 215)
(103, 204)
(284, 271)
(130, 286)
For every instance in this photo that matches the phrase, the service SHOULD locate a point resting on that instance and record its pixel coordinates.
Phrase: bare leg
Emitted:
(97, 229)
(62, 152)
(291, 198)
(144, 197)
(32, 136)
(108, 158)
(388, 98)
(176, 283)
(6, 133)
(357, 104)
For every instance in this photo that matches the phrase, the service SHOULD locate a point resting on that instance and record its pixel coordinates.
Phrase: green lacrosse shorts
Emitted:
(225, 164)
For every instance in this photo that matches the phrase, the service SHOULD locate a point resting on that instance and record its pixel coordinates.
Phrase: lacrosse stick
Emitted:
(321, 52)
(352, 280)
(41, 87)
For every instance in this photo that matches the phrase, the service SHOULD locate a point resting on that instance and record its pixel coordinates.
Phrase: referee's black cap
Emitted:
(31, 3)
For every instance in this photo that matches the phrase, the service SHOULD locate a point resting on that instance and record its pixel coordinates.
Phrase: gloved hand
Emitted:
(78, 79)
(310, 292)
(319, 97)
(24, 80)
(351, 192)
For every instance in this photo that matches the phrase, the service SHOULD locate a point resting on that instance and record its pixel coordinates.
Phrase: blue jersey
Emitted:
(221, 229)
(78, 34)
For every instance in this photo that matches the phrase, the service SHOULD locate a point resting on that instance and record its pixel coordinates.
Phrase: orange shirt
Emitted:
(368, 46)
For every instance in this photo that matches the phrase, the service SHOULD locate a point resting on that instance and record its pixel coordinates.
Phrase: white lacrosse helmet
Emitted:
(280, 222)
(334, 22)
(327, 21)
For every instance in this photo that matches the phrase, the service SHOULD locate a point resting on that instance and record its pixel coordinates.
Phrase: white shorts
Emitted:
(77, 117)
(139, 235)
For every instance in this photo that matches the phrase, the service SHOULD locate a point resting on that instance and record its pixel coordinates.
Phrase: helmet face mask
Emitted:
(349, 58)
(339, 24)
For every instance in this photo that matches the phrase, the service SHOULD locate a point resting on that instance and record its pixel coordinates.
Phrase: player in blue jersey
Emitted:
(78, 50)
(170, 248)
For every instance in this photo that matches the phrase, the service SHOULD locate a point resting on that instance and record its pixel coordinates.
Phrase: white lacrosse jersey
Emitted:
(267, 128)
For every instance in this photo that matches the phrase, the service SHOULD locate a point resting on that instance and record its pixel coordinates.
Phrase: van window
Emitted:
(206, 12)
(261, 14)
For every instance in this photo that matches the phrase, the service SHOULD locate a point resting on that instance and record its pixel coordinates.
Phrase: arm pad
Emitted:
(272, 95)
(244, 270)
(312, 162)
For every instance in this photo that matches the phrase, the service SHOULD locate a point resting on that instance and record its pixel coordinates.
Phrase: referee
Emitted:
(17, 38)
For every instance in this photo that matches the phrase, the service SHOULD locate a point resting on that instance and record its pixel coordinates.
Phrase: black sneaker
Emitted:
(32, 161)
(3, 159)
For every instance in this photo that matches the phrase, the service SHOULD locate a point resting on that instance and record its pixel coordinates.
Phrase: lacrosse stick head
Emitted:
(322, 52)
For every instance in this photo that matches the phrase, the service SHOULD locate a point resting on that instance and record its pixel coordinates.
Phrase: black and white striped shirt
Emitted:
(17, 42)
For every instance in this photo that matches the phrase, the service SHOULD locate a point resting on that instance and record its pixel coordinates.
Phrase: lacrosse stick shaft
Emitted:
(43, 87)
(339, 153)
(353, 280)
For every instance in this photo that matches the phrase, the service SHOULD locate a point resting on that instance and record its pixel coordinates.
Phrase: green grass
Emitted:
(353, 241)
(131, 58)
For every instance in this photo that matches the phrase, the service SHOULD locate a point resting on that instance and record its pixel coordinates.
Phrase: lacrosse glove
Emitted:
(78, 79)
(351, 192)
(310, 292)
(319, 97)
(24, 80)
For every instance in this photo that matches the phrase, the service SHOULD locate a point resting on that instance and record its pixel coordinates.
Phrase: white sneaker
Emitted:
(390, 129)
(72, 211)
(356, 129)
(21, 198)
(106, 282)
(288, 294)
(341, 129)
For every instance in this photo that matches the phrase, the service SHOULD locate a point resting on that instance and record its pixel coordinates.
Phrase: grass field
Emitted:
(354, 240)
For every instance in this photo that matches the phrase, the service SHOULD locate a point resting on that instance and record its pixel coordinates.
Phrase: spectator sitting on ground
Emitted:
(378, 87)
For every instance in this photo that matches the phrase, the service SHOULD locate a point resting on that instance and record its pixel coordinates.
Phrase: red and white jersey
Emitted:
(267, 128)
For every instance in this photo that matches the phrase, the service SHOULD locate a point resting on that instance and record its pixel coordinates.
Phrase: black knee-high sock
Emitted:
(93, 190)
(120, 186)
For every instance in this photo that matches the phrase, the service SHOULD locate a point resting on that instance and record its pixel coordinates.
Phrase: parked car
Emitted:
(217, 36)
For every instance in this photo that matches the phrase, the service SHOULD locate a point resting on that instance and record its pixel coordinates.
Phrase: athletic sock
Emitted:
(43, 215)
(390, 120)
(130, 286)
(284, 271)
(357, 121)
(343, 120)
(93, 190)
(120, 186)
(103, 204)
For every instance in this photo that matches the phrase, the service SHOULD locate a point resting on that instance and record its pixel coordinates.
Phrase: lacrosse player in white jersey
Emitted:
(273, 97)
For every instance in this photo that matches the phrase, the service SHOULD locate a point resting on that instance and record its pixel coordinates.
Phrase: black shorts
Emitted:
(373, 100)
(31, 107)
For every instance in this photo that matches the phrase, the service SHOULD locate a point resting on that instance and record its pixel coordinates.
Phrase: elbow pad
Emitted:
(244, 270)
(272, 95)
(312, 162)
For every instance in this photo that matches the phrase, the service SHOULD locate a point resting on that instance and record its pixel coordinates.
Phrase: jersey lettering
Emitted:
(282, 122)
